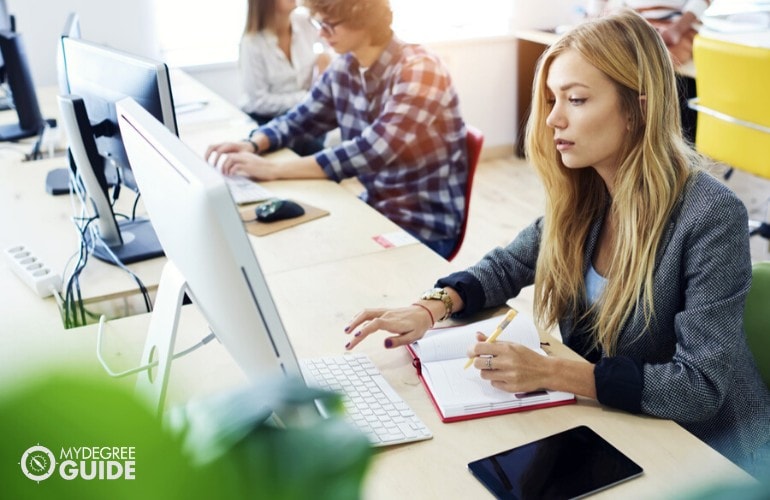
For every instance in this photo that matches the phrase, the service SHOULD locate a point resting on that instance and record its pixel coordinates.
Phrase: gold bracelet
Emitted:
(443, 296)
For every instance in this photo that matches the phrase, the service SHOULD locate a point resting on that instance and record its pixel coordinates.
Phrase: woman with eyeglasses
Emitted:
(641, 259)
(399, 118)
(280, 55)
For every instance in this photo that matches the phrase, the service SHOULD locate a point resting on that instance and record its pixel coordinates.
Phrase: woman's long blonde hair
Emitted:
(654, 166)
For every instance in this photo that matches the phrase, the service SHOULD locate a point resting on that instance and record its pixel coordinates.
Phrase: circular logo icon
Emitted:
(38, 463)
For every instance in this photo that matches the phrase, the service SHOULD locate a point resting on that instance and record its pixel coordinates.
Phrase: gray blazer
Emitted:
(696, 367)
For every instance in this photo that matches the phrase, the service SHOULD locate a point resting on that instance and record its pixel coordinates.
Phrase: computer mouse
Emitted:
(276, 209)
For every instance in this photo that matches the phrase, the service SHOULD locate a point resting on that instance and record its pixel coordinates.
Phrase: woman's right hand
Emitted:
(407, 324)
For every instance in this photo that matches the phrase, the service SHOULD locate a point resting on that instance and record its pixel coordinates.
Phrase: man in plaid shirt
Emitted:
(399, 118)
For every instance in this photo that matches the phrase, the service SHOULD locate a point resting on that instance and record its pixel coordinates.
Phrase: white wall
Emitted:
(483, 70)
(124, 24)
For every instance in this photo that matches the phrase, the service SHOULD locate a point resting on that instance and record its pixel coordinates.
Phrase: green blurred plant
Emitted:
(228, 446)
(274, 438)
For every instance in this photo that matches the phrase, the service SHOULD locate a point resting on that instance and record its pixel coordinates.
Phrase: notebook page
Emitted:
(453, 342)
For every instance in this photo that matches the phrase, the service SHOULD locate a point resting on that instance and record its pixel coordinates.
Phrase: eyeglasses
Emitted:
(324, 26)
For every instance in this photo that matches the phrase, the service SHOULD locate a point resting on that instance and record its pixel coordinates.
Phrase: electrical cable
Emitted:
(73, 297)
(145, 293)
(136, 203)
(74, 310)
(100, 331)
(35, 154)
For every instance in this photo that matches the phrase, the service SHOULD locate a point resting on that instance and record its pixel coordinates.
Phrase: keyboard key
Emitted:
(244, 190)
(370, 402)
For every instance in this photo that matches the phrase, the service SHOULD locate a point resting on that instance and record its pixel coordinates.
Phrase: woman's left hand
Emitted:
(509, 366)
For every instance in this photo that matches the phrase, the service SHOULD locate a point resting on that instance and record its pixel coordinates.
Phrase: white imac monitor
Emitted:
(100, 76)
(209, 256)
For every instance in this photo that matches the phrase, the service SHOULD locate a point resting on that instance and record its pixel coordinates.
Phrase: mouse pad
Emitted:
(262, 228)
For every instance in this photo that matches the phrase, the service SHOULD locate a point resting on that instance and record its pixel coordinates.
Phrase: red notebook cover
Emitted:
(418, 366)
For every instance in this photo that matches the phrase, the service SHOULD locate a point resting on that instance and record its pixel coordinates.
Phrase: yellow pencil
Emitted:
(508, 318)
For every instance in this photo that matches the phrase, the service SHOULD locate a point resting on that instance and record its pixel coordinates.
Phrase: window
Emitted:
(440, 20)
(195, 36)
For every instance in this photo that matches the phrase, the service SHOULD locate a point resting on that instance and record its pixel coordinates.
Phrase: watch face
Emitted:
(443, 296)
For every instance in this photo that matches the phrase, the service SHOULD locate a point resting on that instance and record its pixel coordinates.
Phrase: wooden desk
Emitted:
(44, 224)
(530, 45)
(316, 302)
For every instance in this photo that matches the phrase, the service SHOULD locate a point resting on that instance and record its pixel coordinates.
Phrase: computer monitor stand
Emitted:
(131, 240)
(14, 132)
(58, 181)
(152, 384)
(6, 100)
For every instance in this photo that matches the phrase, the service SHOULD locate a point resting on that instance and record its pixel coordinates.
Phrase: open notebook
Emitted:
(460, 394)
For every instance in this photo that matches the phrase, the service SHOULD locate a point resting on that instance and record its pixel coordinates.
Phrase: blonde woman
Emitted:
(279, 58)
(641, 259)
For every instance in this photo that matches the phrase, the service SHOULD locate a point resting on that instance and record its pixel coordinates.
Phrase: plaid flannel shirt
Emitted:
(402, 136)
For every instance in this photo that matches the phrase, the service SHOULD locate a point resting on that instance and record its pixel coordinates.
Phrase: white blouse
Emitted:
(271, 83)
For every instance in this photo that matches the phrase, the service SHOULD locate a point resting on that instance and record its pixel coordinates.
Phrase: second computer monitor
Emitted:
(97, 77)
(71, 29)
(101, 76)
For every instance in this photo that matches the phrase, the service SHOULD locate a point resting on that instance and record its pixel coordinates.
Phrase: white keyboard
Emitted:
(370, 402)
(244, 190)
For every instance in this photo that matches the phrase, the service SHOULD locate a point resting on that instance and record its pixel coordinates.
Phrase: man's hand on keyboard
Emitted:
(215, 152)
(250, 165)
(245, 164)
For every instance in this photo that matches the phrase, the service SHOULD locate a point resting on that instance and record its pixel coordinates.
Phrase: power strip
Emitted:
(32, 271)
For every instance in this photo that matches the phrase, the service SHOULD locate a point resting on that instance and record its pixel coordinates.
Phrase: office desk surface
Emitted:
(44, 224)
(315, 304)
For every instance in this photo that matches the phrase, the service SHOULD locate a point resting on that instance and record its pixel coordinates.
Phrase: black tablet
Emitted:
(571, 464)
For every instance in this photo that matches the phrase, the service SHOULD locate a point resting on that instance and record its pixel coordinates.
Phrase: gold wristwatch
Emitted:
(443, 296)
